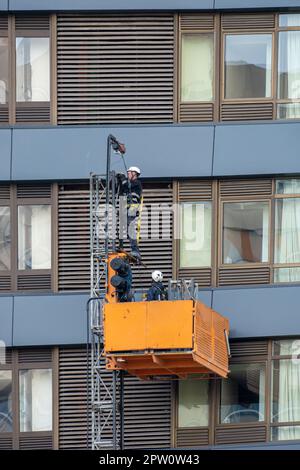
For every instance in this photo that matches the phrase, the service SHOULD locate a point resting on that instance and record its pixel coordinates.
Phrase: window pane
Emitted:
(286, 390)
(4, 238)
(292, 19)
(5, 401)
(33, 75)
(243, 394)
(3, 70)
(35, 400)
(285, 433)
(288, 186)
(34, 233)
(193, 407)
(245, 232)
(287, 230)
(289, 66)
(287, 275)
(197, 68)
(248, 65)
(288, 110)
(195, 243)
(286, 347)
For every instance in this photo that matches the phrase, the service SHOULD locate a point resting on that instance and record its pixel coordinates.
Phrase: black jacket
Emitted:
(157, 291)
(132, 189)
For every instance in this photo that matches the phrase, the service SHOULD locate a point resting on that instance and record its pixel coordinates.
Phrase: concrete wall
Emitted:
(259, 312)
(161, 151)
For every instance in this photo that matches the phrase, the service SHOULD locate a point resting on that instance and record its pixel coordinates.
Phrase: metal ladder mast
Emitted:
(107, 394)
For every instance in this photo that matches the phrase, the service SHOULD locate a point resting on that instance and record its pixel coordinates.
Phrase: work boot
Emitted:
(136, 254)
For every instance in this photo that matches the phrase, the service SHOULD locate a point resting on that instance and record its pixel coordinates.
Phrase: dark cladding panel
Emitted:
(5, 152)
(111, 5)
(73, 152)
(260, 312)
(6, 320)
(49, 319)
(256, 149)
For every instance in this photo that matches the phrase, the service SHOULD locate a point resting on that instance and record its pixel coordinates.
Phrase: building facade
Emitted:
(206, 96)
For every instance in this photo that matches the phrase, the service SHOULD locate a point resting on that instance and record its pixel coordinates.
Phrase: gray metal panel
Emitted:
(49, 319)
(260, 312)
(205, 297)
(258, 4)
(110, 5)
(256, 149)
(6, 320)
(72, 152)
(5, 152)
(3, 5)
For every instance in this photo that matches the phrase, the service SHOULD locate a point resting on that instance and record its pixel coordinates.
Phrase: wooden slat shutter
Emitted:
(74, 243)
(72, 398)
(32, 112)
(190, 191)
(147, 411)
(247, 109)
(240, 435)
(195, 111)
(242, 349)
(157, 250)
(4, 113)
(240, 190)
(192, 437)
(73, 238)
(115, 69)
(147, 414)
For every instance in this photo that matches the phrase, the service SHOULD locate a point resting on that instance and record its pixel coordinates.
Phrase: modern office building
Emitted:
(206, 96)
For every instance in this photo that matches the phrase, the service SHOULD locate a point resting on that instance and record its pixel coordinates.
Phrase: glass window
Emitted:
(289, 19)
(3, 70)
(286, 390)
(195, 243)
(197, 69)
(193, 403)
(288, 110)
(243, 394)
(288, 186)
(33, 75)
(287, 274)
(5, 240)
(35, 400)
(286, 347)
(248, 66)
(287, 230)
(34, 237)
(245, 232)
(285, 433)
(5, 401)
(289, 72)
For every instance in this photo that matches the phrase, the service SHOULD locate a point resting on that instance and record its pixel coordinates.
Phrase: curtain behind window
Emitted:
(197, 67)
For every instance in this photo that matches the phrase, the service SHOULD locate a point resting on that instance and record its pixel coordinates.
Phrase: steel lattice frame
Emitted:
(106, 387)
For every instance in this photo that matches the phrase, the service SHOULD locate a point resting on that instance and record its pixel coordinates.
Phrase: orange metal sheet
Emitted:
(170, 324)
(132, 326)
(125, 326)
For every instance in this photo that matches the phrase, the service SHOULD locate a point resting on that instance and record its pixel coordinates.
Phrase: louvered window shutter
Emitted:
(115, 69)
(4, 113)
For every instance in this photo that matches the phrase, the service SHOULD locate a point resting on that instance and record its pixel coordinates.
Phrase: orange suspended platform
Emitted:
(179, 337)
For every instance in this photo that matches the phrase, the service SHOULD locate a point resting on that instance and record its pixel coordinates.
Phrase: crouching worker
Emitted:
(157, 291)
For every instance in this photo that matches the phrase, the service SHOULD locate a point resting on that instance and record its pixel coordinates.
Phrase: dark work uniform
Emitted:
(157, 291)
(133, 191)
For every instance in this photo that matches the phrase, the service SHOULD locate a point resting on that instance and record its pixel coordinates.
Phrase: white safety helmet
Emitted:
(157, 276)
(135, 168)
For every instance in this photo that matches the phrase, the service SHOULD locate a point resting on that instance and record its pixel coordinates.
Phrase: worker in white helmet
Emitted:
(157, 290)
(131, 188)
